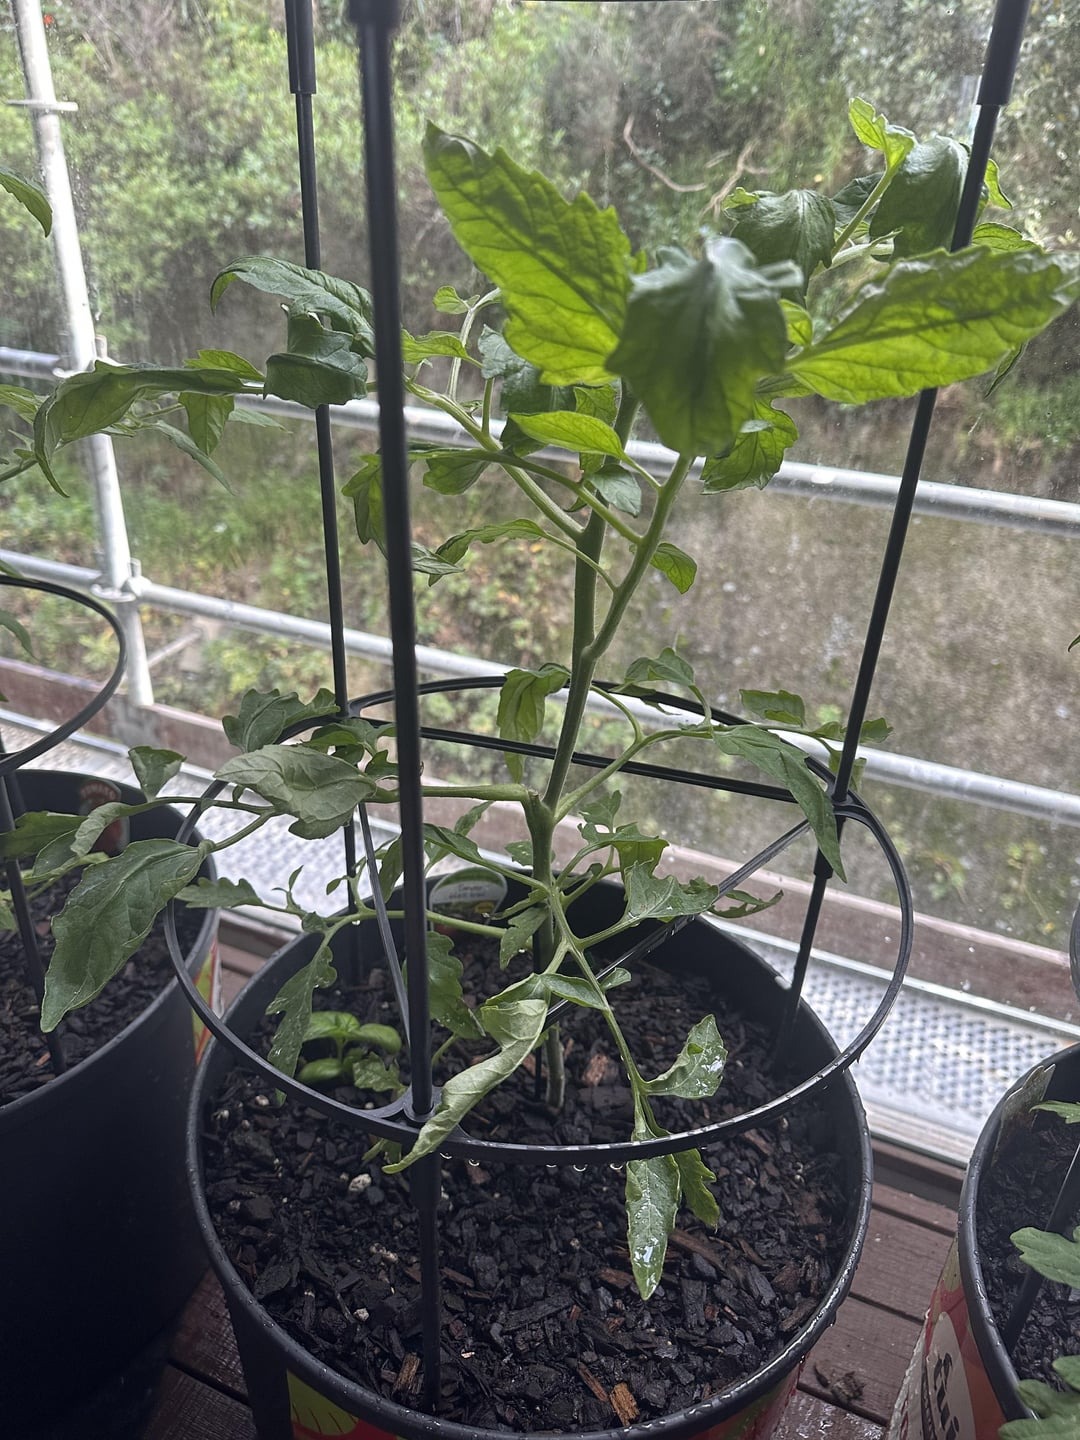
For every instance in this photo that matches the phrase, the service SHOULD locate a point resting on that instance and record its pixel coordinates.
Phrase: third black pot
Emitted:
(962, 1382)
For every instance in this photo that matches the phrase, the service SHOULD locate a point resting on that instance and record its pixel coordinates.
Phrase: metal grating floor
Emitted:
(929, 1079)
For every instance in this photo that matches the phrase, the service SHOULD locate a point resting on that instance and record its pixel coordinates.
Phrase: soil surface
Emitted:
(1018, 1191)
(25, 1063)
(543, 1327)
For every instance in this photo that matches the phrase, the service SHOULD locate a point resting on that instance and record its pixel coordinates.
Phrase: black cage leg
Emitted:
(301, 47)
(999, 68)
(35, 970)
(375, 20)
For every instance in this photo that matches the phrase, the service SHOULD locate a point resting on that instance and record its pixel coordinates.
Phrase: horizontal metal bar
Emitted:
(1057, 806)
(853, 487)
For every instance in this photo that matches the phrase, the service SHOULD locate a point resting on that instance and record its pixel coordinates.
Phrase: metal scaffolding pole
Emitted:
(45, 111)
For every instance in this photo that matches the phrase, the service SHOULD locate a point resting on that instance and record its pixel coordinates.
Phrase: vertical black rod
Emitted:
(301, 50)
(374, 21)
(998, 70)
(35, 970)
(1065, 1206)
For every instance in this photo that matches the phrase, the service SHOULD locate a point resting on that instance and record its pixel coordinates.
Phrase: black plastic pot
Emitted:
(98, 1243)
(961, 1375)
(296, 1397)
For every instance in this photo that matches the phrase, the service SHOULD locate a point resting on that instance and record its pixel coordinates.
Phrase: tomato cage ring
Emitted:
(15, 759)
(398, 1121)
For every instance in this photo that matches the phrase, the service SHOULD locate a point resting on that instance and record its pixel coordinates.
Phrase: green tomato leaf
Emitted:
(600, 401)
(516, 1027)
(1067, 1110)
(293, 1003)
(346, 305)
(873, 732)
(695, 1177)
(265, 715)
(652, 1202)
(445, 996)
(621, 490)
(1052, 1256)
(435, 342)
(428, 562)
(320, 367)
(36, 831)
(153, 768)
(455, 549)
(937, 320)
(756, 454)
(321, 791)
(1000, 237)
(572, 432)
(371, 1073)
(24, 402)
(29, 196)
(679, 567)
(994, 192)
(1059, 1412)
(800, 324)
(798, 225)
(94, 400)
(698, 337)
(519, 932)
(921, 203)
(782, 707)
(440, 842)
(452, 472)
(667, 668)
(15, 627)
(781, 760)
(219, 894)
(108, 916)
(523, 697)
(850, 200)
(893, 141)
(632, 845)
(207, 416)
(187, 446)
(364, 489)
(562, 267)
(225, 360)
(696, 1073)
(449, 302)
(655, 897)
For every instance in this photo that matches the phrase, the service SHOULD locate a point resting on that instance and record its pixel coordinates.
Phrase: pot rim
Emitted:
(995, 1358)
(402, 1421)
(17, 1110)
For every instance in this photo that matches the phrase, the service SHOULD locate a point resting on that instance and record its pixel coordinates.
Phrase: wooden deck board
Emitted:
(900, 1264)
(189, 1409)
(867, 1350)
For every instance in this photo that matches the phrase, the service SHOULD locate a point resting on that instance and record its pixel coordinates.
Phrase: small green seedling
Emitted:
(364, 1055)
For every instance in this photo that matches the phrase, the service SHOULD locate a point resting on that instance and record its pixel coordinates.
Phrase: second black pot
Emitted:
(293, 1394)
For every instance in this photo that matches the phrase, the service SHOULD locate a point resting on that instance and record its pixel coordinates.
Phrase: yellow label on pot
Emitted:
(314, 1417)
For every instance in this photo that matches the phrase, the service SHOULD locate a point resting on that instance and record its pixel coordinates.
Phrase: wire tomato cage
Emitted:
(375, 22)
